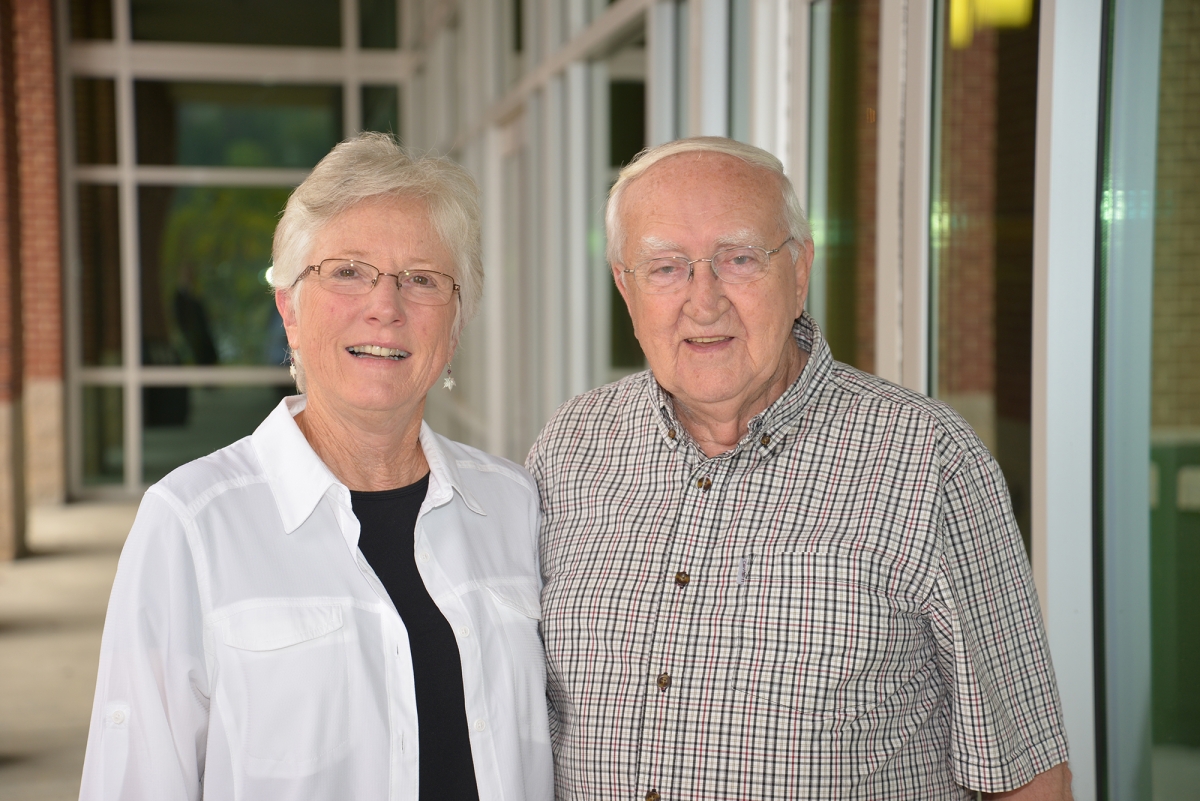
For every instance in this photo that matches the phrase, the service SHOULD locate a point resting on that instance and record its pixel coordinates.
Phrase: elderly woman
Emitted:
(343, 605)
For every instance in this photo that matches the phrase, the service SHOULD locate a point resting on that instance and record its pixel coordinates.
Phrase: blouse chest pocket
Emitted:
(818, 636)
(284, 676)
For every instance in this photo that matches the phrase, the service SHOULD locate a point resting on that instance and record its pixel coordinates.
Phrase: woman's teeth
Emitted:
(707, 340)
(376, 350)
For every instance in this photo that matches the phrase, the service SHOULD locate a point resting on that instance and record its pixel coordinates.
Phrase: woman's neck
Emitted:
(366, 452)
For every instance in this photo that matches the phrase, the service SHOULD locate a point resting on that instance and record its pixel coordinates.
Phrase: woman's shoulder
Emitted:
(204, 479)
(473, 464)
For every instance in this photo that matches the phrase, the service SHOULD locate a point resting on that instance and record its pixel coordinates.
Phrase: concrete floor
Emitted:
(51, 615)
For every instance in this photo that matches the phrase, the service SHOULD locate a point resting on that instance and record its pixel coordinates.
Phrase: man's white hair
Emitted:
(373, 166)
(790, 212)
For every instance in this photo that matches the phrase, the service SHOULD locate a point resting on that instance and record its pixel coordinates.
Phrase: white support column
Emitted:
(770, 75)
(662, 41)
(889, 208)
(497, 367)
(709, 67)
(579, 327)
(914, 213)
(796, 163)
(553, 244)
(1069, 74)
(352, 86)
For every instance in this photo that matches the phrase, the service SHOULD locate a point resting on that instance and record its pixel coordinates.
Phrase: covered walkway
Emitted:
(51, 615)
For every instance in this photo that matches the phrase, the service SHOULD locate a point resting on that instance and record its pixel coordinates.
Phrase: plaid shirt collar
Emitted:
(776, 422)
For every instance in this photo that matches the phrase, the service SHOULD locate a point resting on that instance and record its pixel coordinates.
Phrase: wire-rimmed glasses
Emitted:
(353, 277)
(743, 264)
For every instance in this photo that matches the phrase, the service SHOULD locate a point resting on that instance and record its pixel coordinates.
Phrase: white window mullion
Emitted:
(131, 322)
(351, 84)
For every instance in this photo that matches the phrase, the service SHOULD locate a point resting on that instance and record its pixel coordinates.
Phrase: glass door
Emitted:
(1149, 415)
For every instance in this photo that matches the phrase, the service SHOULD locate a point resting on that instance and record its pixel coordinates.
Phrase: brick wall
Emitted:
(1176, 348)
(31, 352)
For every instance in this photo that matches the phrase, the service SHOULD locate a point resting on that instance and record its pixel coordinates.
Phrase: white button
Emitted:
(424, 556)
(463, 631)
(480, 725)
(118, 717)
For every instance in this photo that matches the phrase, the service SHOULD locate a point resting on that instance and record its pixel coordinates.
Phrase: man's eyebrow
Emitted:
(654, 244)
(744, 236)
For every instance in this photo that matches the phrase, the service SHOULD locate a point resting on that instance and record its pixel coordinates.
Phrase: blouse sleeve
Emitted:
(149, 720)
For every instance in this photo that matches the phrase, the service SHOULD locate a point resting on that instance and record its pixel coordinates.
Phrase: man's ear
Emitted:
(287, 311)
(618, 274)
(803, 268)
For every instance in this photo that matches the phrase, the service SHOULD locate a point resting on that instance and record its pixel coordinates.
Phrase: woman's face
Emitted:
(332, 332)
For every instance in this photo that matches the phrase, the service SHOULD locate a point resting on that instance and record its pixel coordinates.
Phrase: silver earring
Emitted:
(448, 381)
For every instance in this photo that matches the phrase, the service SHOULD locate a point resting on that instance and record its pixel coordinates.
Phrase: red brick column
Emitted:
(40, 248)
(12, 445)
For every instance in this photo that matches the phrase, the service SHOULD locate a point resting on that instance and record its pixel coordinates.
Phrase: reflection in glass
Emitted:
(103, 436)
(312, 23)
(841, 191)
(381, 109)
(377, 24)
(981, 241)
(100, 275)
(1175, 412)
(236, 125)
(184, 423)
(91, 19)
(204, 256)
(95, 121)
(626, 138)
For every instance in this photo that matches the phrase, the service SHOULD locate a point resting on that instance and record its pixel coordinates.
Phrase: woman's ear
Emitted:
(287, 311)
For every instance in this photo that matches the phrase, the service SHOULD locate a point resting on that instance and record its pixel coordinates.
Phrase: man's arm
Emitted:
(1053, 785)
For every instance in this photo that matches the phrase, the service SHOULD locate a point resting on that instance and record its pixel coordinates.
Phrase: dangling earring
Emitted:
(448, 382)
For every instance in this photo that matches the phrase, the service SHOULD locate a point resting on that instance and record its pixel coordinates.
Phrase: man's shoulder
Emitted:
(877, 399)
(620, 402)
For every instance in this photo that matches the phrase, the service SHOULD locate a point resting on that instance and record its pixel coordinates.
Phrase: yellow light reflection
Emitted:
(968, 16)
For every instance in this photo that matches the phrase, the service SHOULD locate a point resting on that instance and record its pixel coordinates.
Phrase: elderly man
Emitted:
(767, 574)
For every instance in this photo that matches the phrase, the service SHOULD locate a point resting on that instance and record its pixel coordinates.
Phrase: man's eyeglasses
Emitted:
(738, 265)
(350, 277)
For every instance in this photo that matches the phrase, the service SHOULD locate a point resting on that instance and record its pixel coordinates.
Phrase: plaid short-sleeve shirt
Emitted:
(839, 607)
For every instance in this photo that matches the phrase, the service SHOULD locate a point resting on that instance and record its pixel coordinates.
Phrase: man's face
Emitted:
(712, 345)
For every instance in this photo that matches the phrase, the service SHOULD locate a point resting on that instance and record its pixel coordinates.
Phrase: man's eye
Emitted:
(664, 268)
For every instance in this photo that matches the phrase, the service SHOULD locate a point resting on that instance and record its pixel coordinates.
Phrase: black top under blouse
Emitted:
(388, 523)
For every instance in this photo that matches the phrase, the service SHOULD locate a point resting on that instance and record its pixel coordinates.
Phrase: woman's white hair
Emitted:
(791, 214)
(368, 167)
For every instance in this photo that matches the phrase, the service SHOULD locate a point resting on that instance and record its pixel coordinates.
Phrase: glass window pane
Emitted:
(841, 191)
(236, 125)
(626, 138)
(312, 23)
(204, 256)
(100, 275)
(377, 24)
(103, 436)
(91, 19)
(981, 240)
(381, 109)
(95, 121)
(184, 423)
(1175, 411)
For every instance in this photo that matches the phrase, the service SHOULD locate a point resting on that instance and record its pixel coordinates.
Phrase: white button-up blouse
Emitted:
(250, 652)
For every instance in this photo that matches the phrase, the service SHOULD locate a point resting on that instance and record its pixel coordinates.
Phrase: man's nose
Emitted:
(705, 291)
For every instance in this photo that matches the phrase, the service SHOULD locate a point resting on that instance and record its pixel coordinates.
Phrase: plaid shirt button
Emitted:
(664, 681)
(682, 578)
(653, 796)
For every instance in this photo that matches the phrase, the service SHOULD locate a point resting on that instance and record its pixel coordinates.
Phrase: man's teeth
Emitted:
(376, 350)
(707, 340)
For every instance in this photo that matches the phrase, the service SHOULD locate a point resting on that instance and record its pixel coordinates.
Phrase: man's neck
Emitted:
(717, 428)
(364, 452)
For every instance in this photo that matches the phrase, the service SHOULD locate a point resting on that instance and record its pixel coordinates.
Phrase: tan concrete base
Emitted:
(45, 451)
(12, 484)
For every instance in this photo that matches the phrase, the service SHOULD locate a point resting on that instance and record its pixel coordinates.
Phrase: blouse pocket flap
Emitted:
(521, 595)
(270, 628)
